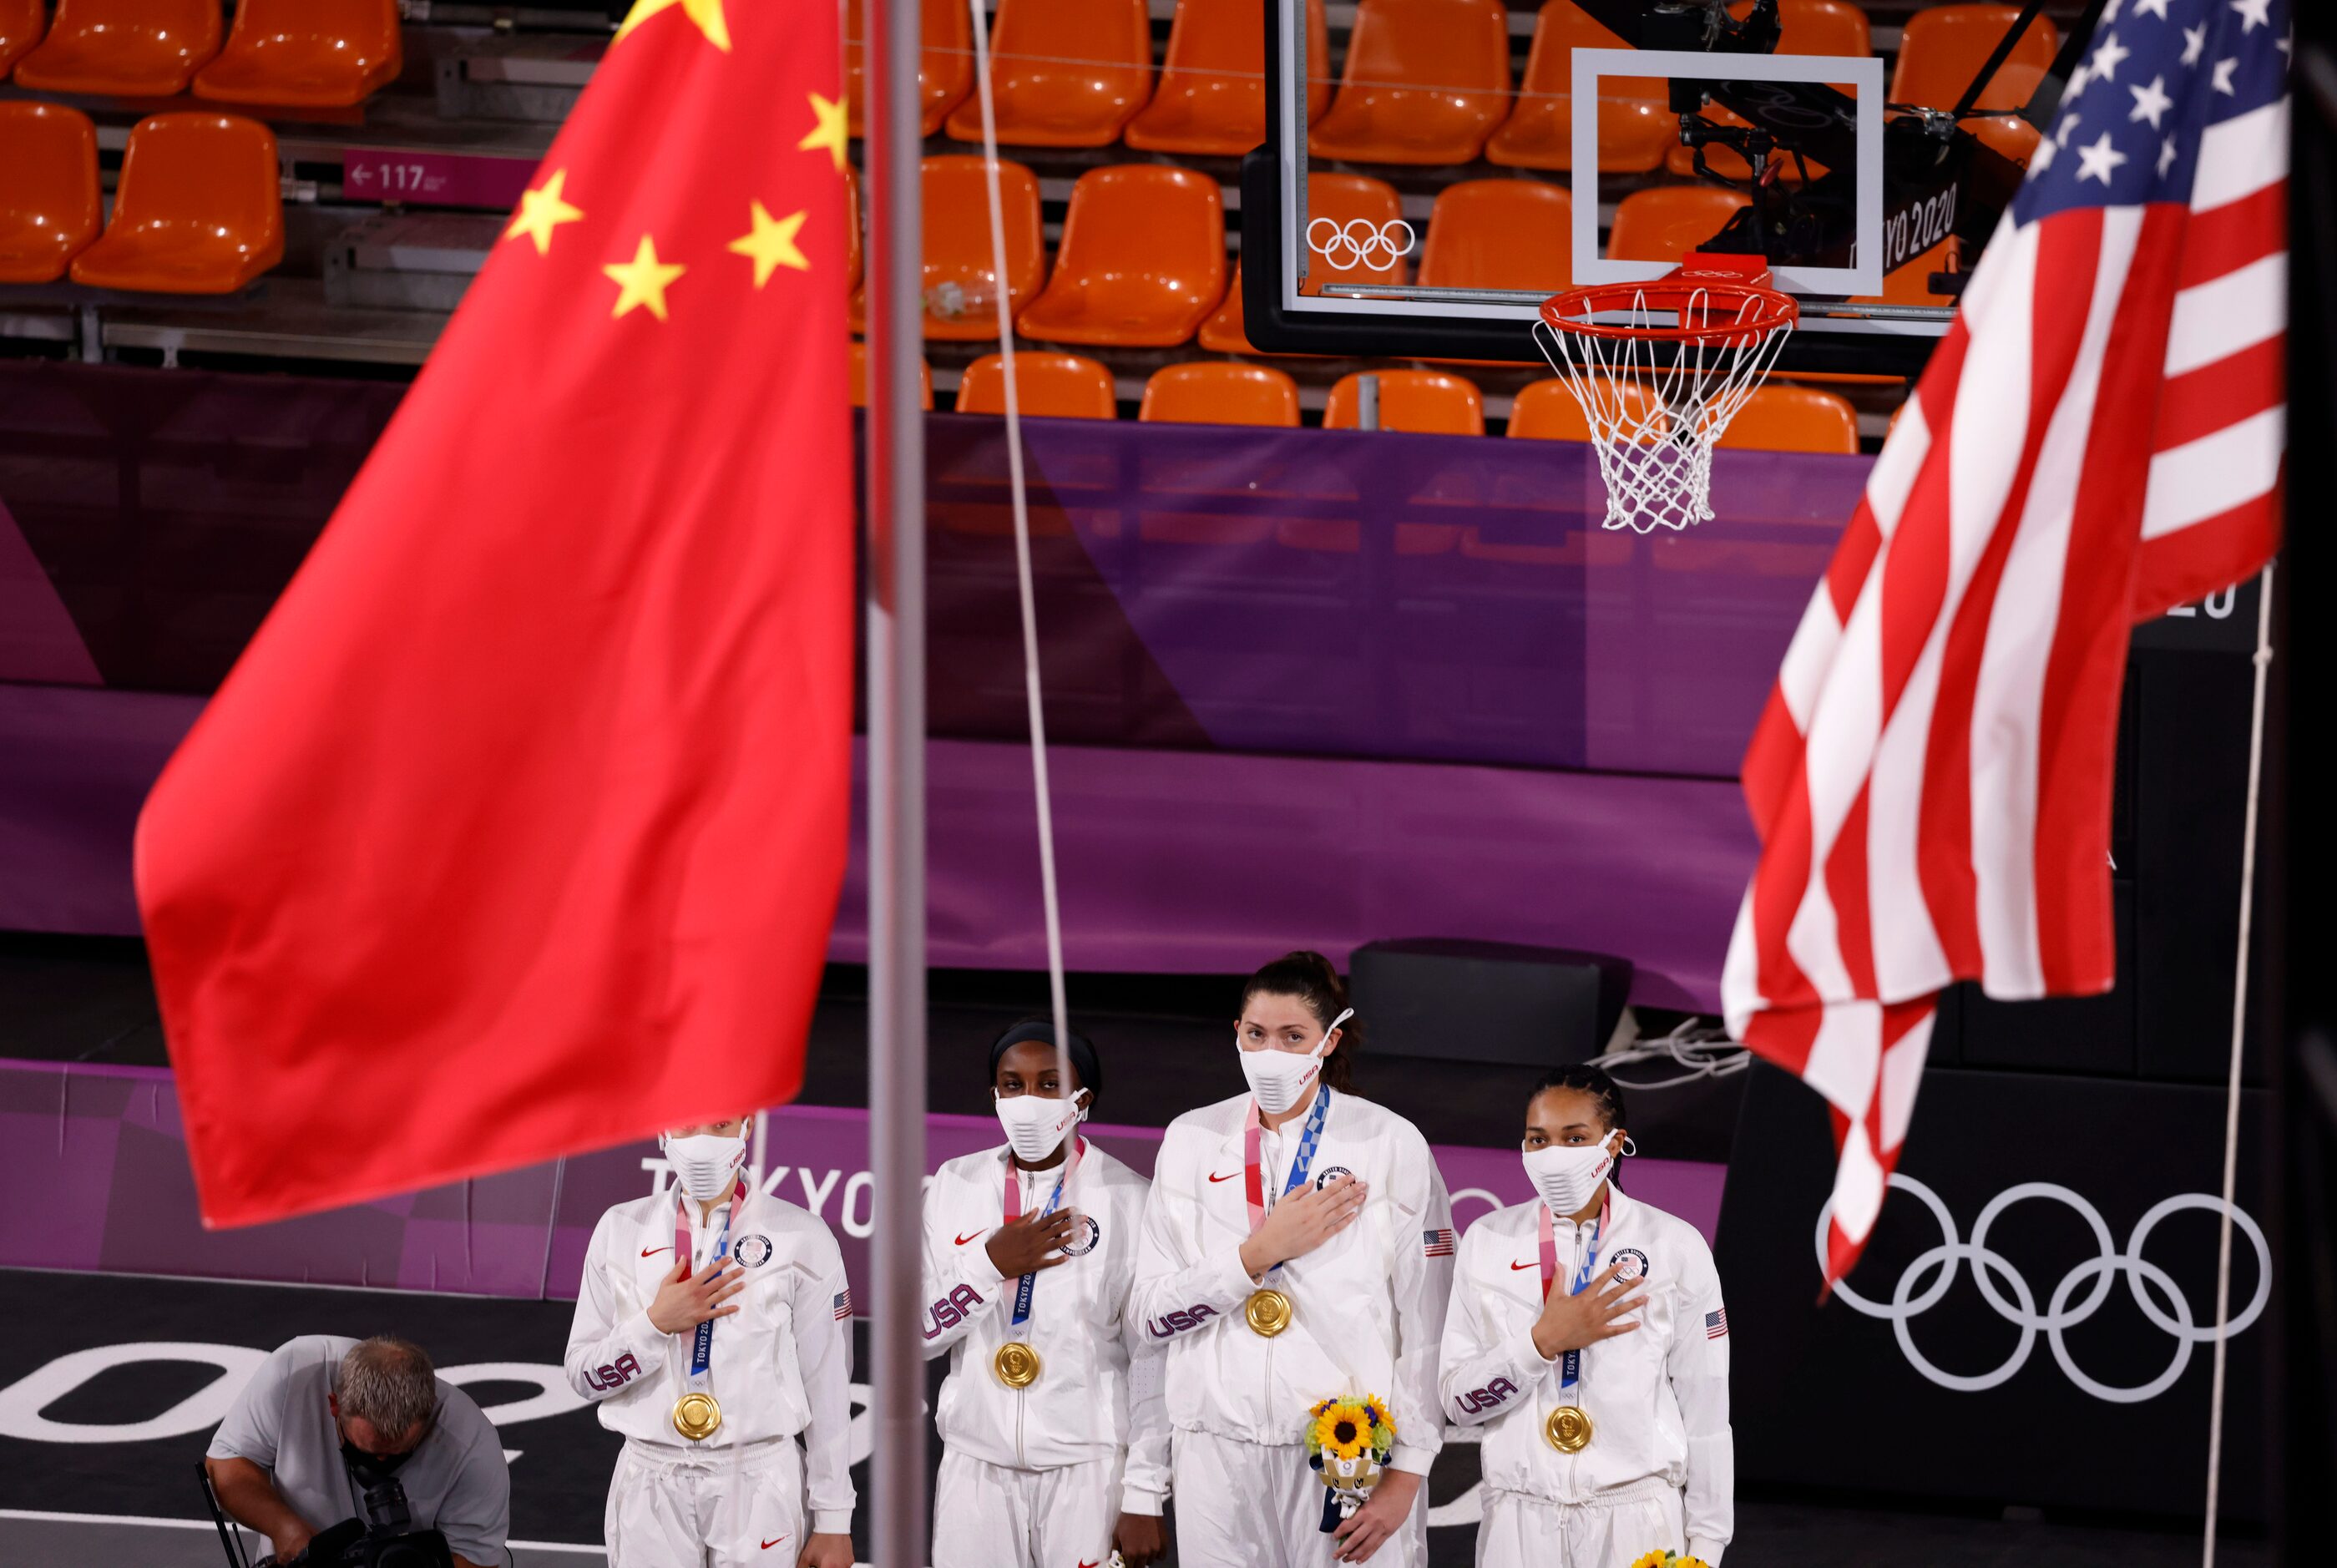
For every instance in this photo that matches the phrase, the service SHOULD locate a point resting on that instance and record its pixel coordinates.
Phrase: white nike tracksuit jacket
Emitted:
(781, 1369)
(1369, 1316)
(1660, 1468)
(1037, 1478)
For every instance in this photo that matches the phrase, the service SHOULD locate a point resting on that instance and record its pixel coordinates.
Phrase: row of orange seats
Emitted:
(296, 54)
(1775, 418)
(199, 208)
(1425, 81)
(1142, 261)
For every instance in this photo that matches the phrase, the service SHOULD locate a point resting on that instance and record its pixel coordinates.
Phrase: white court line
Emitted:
(42, 1516)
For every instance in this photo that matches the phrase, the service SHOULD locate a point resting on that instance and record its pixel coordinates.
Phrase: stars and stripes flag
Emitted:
(2097, 439)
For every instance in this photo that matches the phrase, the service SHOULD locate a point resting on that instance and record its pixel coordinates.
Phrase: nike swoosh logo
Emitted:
(651, 1251)
(769, 1544)
(1228, 1177)
(1515, 1267)
(1087, 1564)
(963, 1240)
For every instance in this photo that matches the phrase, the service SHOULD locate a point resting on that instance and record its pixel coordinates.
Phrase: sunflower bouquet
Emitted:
(1347, 1442)
(1660, 1558)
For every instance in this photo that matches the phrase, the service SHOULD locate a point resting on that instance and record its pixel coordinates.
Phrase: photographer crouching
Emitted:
(352, 1451)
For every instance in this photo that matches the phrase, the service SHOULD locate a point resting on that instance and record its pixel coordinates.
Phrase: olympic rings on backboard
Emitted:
(1362, 243)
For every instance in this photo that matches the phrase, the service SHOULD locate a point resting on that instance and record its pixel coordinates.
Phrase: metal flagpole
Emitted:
(897, 774)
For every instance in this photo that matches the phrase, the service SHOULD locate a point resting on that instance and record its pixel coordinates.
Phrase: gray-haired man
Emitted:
(324, 1420)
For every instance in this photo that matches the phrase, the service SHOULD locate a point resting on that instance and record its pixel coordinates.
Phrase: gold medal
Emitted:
(696, 1416)
(1016, 1364)
(1268, 1312)
(1567, 1429)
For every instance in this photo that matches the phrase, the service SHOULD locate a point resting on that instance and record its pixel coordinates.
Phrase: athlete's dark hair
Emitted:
(1591, 1080)
(1310, 977)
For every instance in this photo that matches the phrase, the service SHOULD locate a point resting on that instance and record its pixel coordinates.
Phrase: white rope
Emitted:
(1003, 292)
(2232, 1079)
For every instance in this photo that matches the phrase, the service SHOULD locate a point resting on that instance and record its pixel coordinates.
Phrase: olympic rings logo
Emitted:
(1362, 243)
(1929, 1276)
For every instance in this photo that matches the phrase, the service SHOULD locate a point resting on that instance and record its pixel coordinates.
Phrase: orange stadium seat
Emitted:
(1211, 393)
(944, 62)
(1211, 101)
(199, 209)
(1548, 411)
(1666, 222)
(860, 378)
(1142, 261)
(1499, 235)
(50, 208)
(1047, 387)
(123, 48)
(1805, 27)
(1785, 418)
(1343, 199)
(306, 54)
(1064, 73)
(21, 23)
(1944, 48)
(1636, 124)
(1426, 81)
(1430, 402)
(960, 284)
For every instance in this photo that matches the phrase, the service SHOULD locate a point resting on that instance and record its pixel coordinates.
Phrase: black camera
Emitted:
(387, 1544)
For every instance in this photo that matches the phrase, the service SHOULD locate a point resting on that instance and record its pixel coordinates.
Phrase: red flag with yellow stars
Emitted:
(518, 828)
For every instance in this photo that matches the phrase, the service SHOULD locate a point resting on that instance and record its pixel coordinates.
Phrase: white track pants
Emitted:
(1251, 1505)
(669, 1507)
(996, 1516)
(1613, 1531)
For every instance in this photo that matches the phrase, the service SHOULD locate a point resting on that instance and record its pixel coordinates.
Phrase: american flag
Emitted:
(1716, 1324)
(1436, 1243)
(843, 1305)
(2097, 439)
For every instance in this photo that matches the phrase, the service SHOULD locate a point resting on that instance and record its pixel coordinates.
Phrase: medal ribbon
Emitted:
(702, 1352)
(1570, 1370)
(1254, 1185)
(1024, 1285)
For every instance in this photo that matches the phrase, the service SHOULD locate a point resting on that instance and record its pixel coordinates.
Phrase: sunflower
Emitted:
(1342, 1428)
(1658, 1558)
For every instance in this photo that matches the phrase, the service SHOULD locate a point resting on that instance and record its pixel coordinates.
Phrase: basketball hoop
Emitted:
(1660, 368)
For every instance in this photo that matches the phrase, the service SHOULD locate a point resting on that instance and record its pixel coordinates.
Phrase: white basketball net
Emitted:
(1653, 423)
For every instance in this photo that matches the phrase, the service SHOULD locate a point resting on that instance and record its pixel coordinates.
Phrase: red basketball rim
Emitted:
(1734, 314)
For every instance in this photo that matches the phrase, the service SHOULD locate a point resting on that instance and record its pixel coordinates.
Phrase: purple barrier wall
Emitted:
(1170, 861)
(94, 1160)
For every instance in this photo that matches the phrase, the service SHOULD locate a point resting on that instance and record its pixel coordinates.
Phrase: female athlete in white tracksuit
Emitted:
(1054, 1444)
(1298, 1246)
(1586, 1336)
(713, 1327)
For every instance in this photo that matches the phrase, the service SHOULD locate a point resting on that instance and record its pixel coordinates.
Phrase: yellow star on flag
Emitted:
(706, 15)
(541, 212)
(771, 243)
(828, 129)
(643, 279)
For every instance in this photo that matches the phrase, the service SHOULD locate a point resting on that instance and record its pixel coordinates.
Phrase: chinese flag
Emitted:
(519, 828)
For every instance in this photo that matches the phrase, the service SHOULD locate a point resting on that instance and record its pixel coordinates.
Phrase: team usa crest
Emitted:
(1325, 1180)
(752, 1251)
(1084, 1237)
(1630, 1264)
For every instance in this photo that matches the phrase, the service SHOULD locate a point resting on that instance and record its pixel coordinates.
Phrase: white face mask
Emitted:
(1035, 1124)
(704, 1163)
(1278, 1078)
(1567, 1176)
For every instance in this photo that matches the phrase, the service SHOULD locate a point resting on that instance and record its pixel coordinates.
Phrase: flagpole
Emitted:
(897, 776)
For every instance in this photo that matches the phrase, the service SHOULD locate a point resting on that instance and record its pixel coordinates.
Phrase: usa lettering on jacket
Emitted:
(1178, 1322)
(1493, 1395)
(614, 1375)
(951, 1310)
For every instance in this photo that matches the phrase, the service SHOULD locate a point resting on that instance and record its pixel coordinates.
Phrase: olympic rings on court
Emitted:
(1931, 1275)
(1361, 241)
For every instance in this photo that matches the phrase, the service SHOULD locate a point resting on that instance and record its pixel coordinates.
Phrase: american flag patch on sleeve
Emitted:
(1436, 1243)
(843, 1305)
(1716, 1324)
